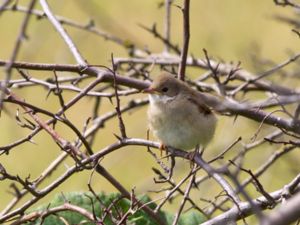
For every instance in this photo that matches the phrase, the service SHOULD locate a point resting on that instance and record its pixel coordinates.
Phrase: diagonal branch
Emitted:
(80, 60)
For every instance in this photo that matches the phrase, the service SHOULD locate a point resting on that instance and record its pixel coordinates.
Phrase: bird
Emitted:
(178, 115)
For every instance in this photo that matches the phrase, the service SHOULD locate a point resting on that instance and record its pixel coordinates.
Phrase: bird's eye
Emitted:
(165, 89)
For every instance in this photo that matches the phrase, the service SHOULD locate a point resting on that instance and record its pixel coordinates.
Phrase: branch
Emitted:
(65, 207)
(186, 39)
(22, 36)
(287, 213)
(234, 108)
(107, 76)
(245, 209)
(117, 107)
(185, 197)
(90, 27)
(286, 3)
(4, 4)
(223, 68)
(52, 18)
(167, 23)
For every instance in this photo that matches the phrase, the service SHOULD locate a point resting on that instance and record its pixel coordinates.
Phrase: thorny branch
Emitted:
(21, 37)
(123, 79)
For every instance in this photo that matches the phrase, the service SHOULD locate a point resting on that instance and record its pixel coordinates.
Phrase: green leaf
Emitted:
(121, 205)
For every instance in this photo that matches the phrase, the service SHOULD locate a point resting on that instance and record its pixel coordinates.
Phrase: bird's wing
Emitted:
(203, 108)
(218, 104)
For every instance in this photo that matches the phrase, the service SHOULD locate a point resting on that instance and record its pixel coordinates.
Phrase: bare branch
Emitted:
(22, 36)
(121, 122)
(186, 39)
(244, 210)
(80, 60)
(226, 88)
(287, 213)
(167, 23)
(185, 197)
(287, 3)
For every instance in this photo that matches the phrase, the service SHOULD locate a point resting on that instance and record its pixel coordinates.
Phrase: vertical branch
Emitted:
(20, 38)
(167, 24)
(121, 122)
(186, 39)
(58, 91)
(185, 196)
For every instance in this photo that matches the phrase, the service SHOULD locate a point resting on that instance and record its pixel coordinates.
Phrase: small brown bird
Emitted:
(178, 115)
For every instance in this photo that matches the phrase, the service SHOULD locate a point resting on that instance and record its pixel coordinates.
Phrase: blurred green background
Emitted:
(230, 30)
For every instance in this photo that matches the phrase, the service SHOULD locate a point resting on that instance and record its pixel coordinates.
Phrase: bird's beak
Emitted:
(148, 90)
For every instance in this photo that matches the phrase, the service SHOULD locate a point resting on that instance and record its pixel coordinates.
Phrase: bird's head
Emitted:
(164, 84)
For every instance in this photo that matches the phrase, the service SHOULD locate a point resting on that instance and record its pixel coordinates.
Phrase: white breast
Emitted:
(154, 98)
(180, 127)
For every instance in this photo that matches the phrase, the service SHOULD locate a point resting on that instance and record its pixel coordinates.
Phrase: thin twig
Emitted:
(167, 23)
(115, 85)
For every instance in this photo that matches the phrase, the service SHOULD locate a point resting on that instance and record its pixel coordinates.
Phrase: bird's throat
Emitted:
(155, 98)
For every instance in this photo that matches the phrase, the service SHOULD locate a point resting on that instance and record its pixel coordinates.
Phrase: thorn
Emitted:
(48, 93)
(110, 100)
(32, 141)
(117, 136)
(154, 28)
(156, 171)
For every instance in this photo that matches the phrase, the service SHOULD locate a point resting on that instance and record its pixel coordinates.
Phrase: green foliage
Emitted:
(120, 206)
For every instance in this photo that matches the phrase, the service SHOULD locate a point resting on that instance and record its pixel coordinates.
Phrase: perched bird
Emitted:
(178, 115)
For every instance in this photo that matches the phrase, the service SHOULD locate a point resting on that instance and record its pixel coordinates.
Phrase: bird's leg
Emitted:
(163, 147)
(172, 165)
